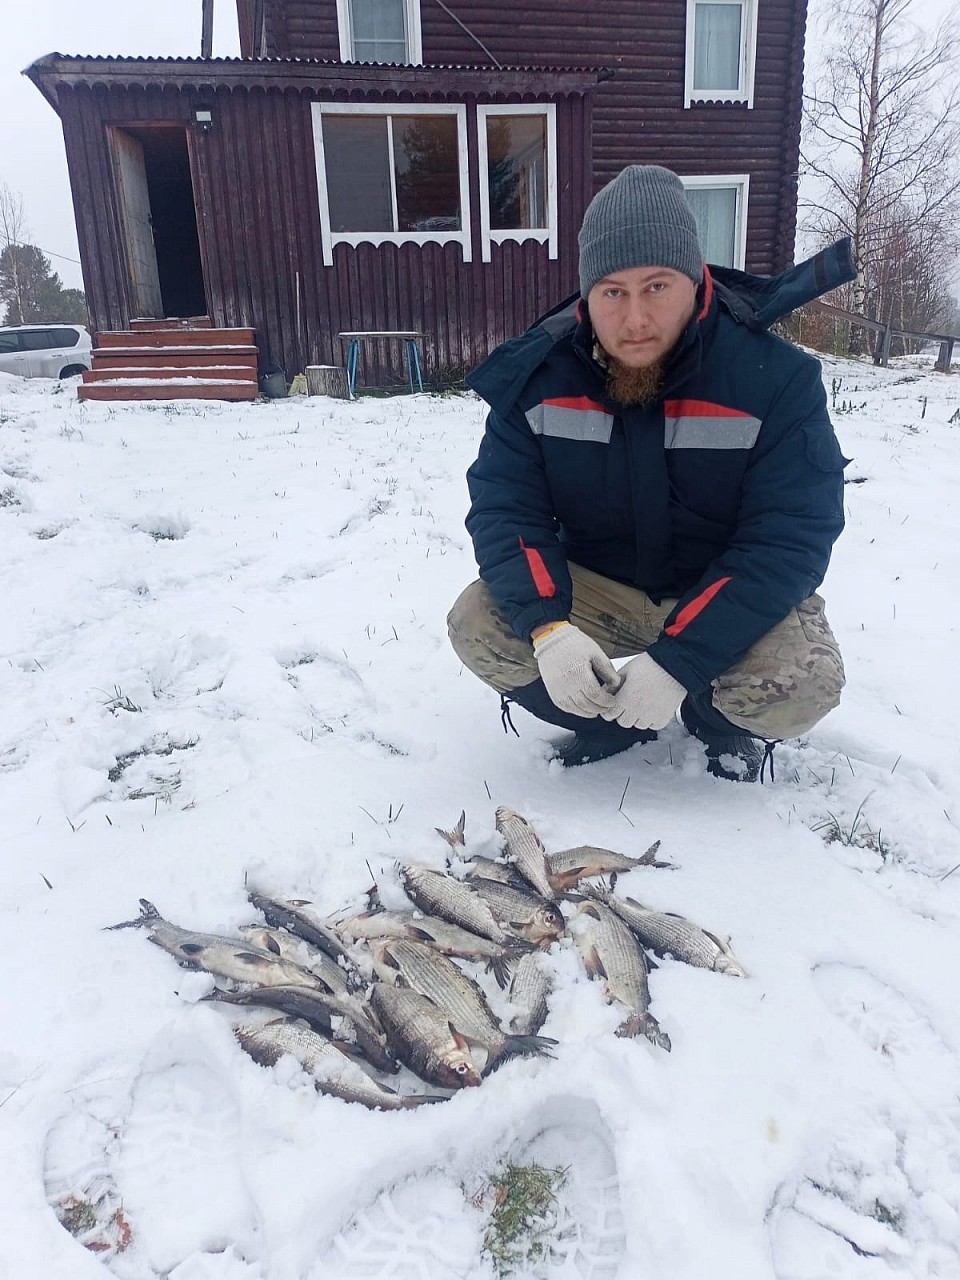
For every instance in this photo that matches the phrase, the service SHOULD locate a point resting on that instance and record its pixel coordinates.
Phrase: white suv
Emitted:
(44, 350)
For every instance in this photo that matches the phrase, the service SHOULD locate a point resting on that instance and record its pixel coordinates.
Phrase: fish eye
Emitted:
(461, 1069)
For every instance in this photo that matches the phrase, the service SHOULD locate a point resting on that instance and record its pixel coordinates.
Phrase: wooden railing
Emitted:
(888, 332)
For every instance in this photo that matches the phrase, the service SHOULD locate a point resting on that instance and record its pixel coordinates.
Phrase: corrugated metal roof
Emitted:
(117, 60)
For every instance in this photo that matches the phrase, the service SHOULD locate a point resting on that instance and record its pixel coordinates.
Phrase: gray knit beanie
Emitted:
(640, 219)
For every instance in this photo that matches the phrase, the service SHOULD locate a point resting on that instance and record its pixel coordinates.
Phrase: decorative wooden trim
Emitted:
(748, 57)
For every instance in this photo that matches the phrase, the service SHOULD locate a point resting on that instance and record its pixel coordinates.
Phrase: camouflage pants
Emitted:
(780, 688)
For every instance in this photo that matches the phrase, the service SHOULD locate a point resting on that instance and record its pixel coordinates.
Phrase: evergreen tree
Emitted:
(32, 292)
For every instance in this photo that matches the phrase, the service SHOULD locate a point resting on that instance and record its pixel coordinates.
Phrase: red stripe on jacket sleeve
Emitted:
(546, 587)
(583, 403)
(695, 607)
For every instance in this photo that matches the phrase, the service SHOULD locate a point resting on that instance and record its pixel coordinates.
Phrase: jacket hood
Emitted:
(754, 301)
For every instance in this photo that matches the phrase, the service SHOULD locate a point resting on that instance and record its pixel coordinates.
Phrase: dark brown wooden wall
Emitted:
(639, 117)
(259, 222)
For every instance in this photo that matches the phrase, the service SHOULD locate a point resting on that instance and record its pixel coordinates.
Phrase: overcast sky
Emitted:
(31, 151)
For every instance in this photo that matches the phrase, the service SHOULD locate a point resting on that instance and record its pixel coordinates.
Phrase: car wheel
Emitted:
(72, 370)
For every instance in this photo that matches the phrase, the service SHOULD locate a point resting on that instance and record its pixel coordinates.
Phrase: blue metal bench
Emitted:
(408, 337)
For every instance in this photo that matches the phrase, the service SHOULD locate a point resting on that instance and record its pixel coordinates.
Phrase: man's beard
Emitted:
(634, 386)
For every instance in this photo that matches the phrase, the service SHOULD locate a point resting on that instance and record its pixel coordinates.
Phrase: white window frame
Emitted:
(411, 21)
(740, 182)
(748, 56)
(330, 238)
(545, 235)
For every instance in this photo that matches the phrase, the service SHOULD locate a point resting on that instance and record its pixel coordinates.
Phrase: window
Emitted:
(47, 339)
(721, 51)
(719, 205)
(380, 31)
(518, 165)
(391, 175)
(9, 342)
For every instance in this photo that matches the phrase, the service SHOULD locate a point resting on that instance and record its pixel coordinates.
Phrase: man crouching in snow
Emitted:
(658, 477)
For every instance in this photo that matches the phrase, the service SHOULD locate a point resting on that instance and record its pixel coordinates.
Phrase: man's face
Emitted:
(639, 313)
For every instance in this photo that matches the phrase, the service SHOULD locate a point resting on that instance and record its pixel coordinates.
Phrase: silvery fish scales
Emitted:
(333, 1071)
(449, 939)
(317, 1009)
(491, 869)
(453, 900)
(667, 933)
(458, 996)
(529, 990)
(302, 917)
(225, 957)
(613, 956)
(421, 1036)
(522, 910)
(569, 866)
(524, 848)
(289, 947)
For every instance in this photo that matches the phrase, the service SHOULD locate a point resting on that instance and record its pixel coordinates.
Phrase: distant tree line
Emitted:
(882, 151)
(30, 290)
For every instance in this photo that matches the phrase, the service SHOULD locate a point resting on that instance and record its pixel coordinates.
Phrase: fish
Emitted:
(529, 989)
(285, 944)
(334, 1071)
(224, 957)
(491, 869)
(613, 956)
(522, 910)
(569, 866)
(317, 1009)
(455, 900)
(461, 1000)
(456, 836)
(524, 848)
(667, 933)
(421, 1036)
(300, 916)
(449, 939)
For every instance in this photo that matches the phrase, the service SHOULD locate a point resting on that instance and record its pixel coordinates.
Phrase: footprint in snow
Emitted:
(149, 1176)
(887, 1023)
(430, 1228)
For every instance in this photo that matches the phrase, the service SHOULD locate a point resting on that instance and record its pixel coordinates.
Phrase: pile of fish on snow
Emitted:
(363, 994)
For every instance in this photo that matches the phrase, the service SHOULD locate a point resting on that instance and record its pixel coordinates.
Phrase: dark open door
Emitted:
(160, 221)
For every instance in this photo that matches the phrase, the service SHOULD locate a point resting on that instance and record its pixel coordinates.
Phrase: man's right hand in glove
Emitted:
(578, 675)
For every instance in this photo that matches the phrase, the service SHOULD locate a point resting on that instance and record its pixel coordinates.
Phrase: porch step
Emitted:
(177, 337)
(186, 389)
(184, 322)
(149, 373)
(172, 357)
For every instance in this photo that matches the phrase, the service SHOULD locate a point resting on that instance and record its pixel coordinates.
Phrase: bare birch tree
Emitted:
(882, 143)
(13, 228)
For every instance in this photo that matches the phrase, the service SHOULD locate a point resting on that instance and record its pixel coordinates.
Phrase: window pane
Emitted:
(517, 171)
(425, 155)
(715, 209)
(44, 339)
(9, 342)
(716, 62)
(358, 173)
(379, 30)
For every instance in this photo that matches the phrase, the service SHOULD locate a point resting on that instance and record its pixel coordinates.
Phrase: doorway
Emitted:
(159, 219)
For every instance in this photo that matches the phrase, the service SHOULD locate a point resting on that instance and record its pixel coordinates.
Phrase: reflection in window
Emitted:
(517, 171)
(715, 209)
(718, 40)
(392, 173)
(379, 30)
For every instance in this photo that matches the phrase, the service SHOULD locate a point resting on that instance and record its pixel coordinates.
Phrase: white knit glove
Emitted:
(648, 697)
(578, 675)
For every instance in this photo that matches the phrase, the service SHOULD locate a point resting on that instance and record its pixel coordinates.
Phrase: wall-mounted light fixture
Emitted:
(203, 118)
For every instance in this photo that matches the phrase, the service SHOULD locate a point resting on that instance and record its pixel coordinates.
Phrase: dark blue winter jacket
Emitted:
(726, 492)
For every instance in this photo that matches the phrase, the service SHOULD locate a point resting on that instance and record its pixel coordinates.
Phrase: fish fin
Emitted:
(456, 836)
(418, 935)
(148, 915)
(647, 859)
(422, 1099)
(538, 1046)
(593, 964)
(499, 967)
(191, 949)
(250, 956)
(644, 1024)
(271, 944)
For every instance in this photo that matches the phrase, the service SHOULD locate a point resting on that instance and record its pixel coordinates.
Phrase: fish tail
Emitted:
(644, 1024)
(148, 915)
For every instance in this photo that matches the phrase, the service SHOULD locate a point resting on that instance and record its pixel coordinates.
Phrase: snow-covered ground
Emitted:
(223, 660)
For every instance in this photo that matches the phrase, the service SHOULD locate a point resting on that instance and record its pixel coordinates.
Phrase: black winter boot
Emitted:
(731, 753)
(593, 739)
